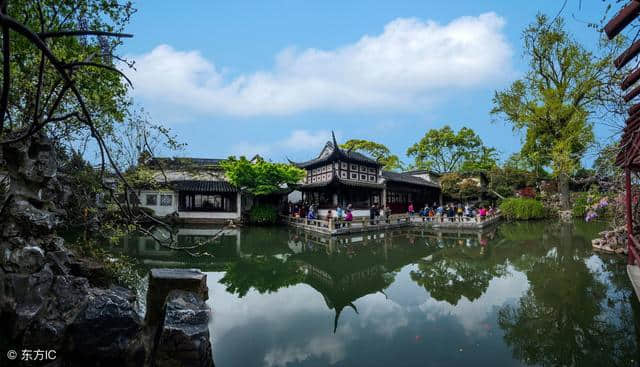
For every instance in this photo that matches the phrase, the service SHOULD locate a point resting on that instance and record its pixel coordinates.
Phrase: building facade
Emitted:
(341, 177)
(193, 189)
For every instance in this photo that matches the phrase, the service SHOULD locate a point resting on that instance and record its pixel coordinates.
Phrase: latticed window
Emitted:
(152, 199)
(166, 200)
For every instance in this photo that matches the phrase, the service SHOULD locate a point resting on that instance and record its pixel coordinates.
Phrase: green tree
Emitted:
(378, 151)
(485, 160)
(443, 150)
(260, 177)
(604, 164)
(553, 102)
(37, 95)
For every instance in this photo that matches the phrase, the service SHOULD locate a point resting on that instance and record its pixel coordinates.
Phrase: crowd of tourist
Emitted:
(450, 212)
(454, 212)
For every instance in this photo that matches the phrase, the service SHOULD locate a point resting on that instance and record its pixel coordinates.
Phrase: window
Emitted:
(343, 174)
(354, 167)
(166, 200)
(329, 175)
(372, 178)
(313, 179)
(343, 165)
(323, 169)
(363, 169)
(152, 200)
(372, 170)
(354, 176)
(363, 177)
(324, 177)
(336, 165)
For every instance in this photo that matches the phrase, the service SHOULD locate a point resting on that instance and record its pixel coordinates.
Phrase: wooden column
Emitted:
(628, 202)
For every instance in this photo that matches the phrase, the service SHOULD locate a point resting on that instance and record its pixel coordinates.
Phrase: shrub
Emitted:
(527, 192)
(263, 214)
(580, 203)
(522, 209)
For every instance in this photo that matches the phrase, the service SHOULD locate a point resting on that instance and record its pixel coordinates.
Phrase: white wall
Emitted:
(158, 209)
(162, 211)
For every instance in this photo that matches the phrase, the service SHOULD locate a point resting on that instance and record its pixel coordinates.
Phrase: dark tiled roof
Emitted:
(406, 178)
(181, 162)
(203, 186)
(340, 154)
(422, 171)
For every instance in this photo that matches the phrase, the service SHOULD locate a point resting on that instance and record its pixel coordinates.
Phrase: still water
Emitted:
(531, 293)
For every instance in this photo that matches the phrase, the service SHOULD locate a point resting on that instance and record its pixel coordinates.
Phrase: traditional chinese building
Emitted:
(193, 189)
(341, 177)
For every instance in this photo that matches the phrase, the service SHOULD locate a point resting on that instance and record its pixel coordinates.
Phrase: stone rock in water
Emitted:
(183, 338)
(163, 281)
(108, 330)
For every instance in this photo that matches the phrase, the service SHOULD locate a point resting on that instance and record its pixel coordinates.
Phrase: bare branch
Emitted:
(45, 35)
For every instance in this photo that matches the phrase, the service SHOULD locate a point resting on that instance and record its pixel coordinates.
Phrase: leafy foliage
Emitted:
(506, 180)
(443, 150)
(260, 177)
(522, 209)
(263, 214)
(459, 186)
(378, 151)
(105, 93)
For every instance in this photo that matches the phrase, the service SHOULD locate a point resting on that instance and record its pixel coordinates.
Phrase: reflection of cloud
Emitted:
(330, 347)
(269, 307)
(383, 315)
(473, 315)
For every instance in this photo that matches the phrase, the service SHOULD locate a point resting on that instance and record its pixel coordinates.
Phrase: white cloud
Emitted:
(412, 62)
(297, 141)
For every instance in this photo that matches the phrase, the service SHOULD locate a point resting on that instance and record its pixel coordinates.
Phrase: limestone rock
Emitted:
(107, 332)
(183, 339)
(163, 281)
(23, 299)
(67, 298)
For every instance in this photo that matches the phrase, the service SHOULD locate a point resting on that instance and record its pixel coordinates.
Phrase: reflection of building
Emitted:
(340, 177)
(194, 188)
(152, 253)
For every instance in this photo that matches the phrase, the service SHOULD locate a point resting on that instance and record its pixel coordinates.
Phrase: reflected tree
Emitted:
(567, 316)
(265, 274)
(453, 273)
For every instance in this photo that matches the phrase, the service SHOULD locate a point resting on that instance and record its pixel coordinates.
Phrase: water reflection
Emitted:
(521, 294)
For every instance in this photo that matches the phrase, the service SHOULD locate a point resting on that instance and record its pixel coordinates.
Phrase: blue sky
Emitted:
(275, 77)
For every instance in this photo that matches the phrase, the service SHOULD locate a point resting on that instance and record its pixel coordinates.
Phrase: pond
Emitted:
(527, 293)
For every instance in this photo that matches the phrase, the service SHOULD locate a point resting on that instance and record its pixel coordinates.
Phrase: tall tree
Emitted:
(443, 150)
(552, 103)
(378, 151)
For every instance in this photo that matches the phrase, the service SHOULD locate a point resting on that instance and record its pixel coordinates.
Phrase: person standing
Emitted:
(372, 214)
(410, 209)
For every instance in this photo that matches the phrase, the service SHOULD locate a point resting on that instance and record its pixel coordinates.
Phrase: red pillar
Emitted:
(629, 215)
